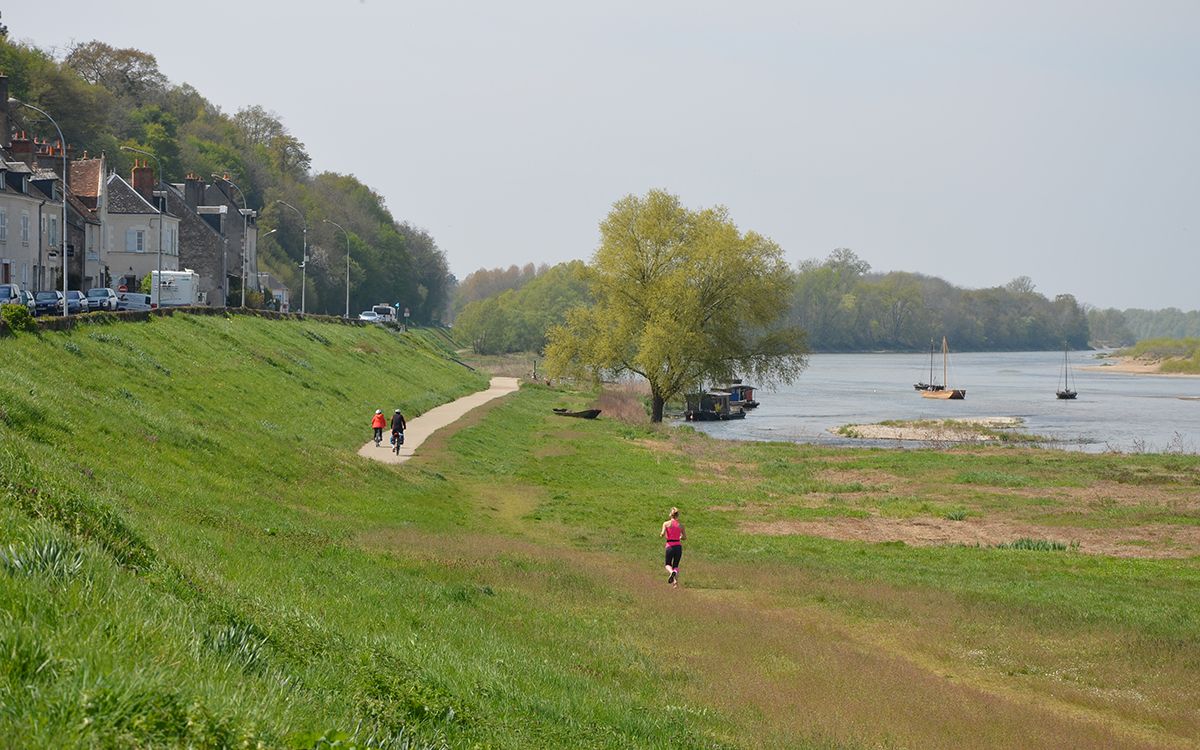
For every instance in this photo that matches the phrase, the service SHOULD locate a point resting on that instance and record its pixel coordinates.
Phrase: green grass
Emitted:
(192, 555)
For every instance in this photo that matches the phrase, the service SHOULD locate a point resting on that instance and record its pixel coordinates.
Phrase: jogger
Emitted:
(672, 531)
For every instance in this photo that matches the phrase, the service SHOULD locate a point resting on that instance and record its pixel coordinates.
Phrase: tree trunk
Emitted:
(656, 407)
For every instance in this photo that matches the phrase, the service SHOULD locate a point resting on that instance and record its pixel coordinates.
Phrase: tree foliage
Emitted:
(105, 97)
(680, 297)
(845, 307)
(517, 320)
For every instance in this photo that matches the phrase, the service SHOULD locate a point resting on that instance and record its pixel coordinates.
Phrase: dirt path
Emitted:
(420, 428)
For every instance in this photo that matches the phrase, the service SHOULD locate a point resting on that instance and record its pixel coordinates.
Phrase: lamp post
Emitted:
(304, 257)
(62, 239)
(245, 245)
(158, 166)
(339, 226)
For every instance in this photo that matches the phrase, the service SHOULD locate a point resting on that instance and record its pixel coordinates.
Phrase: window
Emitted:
(3, 225)
(52, 232)
(135, 240)
(25, 227)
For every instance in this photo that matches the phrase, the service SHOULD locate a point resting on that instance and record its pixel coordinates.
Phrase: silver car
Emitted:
(102, 298)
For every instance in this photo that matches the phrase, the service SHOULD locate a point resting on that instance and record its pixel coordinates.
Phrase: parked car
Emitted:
(48, 303)
(27, 300)
(368, 315)
(10, 294)
(133, 301)
(76, 302)
(102, 299)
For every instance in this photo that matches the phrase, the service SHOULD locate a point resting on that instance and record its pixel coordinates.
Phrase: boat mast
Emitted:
(945, 359)
(931, 361)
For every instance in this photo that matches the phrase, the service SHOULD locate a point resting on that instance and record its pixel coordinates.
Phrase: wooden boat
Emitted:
(929, 386)
(1067, 391)
(712, 406)
(740, 394)
(584, 414)
(944, 391)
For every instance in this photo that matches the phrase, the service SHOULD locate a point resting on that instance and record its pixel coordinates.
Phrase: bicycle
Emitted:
(397, 441)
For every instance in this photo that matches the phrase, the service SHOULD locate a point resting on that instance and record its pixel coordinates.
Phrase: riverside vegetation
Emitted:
(191, 554)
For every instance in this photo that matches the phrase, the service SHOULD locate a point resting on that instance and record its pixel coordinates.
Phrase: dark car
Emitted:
(133, 301)
(48, 303)
(102, 298)
(76, 302)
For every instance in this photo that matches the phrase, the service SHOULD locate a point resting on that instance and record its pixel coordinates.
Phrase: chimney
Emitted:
(22, 148)
(50, 157)
(5, 136)
(142, 180)
(193, 190)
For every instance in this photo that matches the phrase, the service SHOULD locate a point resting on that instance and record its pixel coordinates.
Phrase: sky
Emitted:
(974, 141)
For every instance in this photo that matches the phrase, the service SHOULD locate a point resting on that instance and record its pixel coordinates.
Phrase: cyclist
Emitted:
(398, 427)
(377, 423)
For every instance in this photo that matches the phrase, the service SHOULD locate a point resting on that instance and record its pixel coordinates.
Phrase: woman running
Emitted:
(672, 531)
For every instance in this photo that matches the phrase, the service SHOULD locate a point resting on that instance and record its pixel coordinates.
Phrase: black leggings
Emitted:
(674, 552)
(378, 434)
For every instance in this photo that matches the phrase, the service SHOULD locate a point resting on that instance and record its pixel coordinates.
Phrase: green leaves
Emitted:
(681, 296)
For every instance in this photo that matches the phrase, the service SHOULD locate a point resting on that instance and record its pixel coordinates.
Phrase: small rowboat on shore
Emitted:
(584, 414)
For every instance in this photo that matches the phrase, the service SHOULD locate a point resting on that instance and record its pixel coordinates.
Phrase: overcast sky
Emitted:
(976, 141)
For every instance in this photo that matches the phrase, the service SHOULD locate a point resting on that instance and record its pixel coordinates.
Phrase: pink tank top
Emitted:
(674, 533)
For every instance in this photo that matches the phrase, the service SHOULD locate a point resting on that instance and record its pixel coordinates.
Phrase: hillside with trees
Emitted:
(104, 98)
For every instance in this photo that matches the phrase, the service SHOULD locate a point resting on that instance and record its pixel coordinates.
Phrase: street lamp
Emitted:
(304, 257)
(62, 240)
(339, 226)
(158, 165)
(245, 245)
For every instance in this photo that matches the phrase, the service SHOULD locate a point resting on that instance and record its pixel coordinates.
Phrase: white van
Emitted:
(386, 313)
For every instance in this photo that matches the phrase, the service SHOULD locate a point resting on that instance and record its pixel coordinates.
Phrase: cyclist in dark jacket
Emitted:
(398, 426)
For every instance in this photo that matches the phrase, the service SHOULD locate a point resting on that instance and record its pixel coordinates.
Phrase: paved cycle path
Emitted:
(420, 428)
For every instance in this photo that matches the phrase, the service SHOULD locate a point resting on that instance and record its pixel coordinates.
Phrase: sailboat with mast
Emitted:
(944, 391)
(928, 385)
(1067, 391)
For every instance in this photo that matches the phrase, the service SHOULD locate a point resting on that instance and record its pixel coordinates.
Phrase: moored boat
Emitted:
(711, 406)
(944, 391)
(1067, 391)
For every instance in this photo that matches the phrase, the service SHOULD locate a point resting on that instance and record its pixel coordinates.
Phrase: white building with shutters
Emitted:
(131, 227)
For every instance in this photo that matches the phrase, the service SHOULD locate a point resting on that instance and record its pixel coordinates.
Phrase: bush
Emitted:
(17, 318)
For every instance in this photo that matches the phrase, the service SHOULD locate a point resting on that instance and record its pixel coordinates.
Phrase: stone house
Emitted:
(88, 183)
(132, 229)
(202, 243)
(222, 265)
(21, 205)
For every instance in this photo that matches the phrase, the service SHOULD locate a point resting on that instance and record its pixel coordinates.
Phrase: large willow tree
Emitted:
(681, 297)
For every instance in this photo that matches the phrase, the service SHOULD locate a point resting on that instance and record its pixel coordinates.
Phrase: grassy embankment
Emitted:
(196, 556)
(1176, 356)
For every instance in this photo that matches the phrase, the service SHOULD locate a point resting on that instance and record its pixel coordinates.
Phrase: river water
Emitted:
(1114, 411)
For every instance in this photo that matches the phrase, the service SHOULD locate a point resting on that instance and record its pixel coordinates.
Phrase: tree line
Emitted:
(837, 301)
(1113, 327)
(104, 98)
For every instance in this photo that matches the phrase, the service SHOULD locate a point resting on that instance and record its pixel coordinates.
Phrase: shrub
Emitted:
(17, 318)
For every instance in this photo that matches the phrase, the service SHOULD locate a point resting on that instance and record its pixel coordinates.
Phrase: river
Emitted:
(1114, 411)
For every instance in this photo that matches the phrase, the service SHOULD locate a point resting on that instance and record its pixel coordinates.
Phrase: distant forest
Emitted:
(103, 98)
(838, 301)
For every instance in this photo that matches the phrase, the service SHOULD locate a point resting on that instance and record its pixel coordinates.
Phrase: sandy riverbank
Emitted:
(1135, 366)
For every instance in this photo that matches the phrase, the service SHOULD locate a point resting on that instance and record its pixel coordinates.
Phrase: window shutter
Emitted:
(130, 241)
